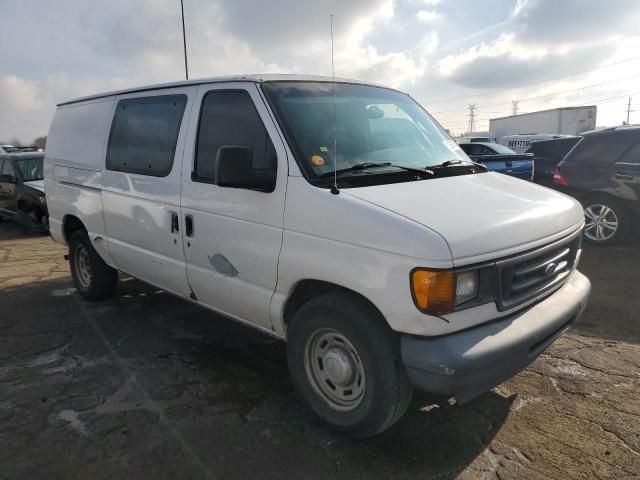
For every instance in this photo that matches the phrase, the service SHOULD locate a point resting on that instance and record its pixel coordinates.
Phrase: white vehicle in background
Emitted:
(414, 267)
(476, 139)
(6, 148)
(520, 143)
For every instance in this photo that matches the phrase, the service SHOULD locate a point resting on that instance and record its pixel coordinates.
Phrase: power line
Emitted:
(492, 92)
(548, 94)
(458, 123)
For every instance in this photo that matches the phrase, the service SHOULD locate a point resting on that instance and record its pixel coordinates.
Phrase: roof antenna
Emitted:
(334, 189)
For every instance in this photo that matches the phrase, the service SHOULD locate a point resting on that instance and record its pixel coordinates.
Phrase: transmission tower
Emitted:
(472, 117)
(514, 107)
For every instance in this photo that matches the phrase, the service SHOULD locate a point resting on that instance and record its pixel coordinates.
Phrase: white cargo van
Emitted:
(420, 269)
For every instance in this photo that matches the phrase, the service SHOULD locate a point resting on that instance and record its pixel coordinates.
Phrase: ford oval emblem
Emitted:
(550, 269)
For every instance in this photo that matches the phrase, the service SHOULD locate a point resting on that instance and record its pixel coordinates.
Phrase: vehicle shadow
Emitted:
(21, 227)
(223, 386)
(614, 272)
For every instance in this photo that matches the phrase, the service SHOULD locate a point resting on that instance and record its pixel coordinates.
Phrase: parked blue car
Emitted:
(501, 159)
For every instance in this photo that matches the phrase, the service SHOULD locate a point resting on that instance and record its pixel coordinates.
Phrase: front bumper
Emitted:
(467, 364)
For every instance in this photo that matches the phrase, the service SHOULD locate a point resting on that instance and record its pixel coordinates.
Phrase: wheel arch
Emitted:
(71, 223)
(306, 289)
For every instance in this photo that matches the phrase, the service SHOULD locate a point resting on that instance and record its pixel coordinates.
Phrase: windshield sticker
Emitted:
(317, 160)
(451, 145)
(324, 149)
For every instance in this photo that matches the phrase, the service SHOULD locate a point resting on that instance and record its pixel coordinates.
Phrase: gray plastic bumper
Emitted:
(470, 362)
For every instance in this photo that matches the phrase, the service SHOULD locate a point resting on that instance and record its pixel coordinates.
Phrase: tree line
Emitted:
(39, 142)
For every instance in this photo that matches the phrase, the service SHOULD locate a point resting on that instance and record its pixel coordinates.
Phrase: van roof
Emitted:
(255, 78)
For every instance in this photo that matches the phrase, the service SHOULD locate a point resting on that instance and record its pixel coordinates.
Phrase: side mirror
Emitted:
(234, 169)
(6, 178)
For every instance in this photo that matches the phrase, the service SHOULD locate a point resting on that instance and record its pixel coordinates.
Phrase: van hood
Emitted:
(481, 216)
(37, 184)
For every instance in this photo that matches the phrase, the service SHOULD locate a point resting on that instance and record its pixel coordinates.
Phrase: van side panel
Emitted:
(73, 169)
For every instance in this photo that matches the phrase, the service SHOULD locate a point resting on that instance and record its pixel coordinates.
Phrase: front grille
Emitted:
(532, 274)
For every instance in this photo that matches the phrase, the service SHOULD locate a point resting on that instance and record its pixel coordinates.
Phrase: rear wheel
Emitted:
(345, 364)
(606, 221)
(94, 279)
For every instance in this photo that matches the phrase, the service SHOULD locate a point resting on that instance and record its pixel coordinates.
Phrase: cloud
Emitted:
(541, 39)
(79, 48)
(430, 48)
(428, 16)
(572, 22)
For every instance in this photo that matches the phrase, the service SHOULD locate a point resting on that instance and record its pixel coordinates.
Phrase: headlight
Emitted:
(466, 286)
(42, 199)
(437, 292)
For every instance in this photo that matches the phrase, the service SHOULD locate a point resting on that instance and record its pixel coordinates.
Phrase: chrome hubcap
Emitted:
(334, 369)
(83, 269)
(601, 222)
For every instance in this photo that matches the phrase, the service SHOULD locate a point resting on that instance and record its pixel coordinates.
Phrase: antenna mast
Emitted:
(184, 42)
(334, 189)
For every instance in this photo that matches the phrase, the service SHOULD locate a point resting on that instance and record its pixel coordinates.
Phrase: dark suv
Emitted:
(602, 171)
(22, 190)
(547, 154)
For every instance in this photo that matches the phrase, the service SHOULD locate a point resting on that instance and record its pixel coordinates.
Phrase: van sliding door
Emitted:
(141, 186)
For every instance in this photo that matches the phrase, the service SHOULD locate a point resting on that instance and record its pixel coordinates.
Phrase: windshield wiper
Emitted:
(446, 164)
(369, 165)
(456, 162)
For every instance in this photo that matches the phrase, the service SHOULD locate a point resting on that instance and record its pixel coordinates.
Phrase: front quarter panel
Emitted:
(351, 243)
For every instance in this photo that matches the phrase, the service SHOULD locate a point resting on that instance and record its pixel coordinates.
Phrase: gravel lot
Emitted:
(149, 386)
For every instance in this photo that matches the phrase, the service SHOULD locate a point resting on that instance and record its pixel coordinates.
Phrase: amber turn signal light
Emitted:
(433, 292)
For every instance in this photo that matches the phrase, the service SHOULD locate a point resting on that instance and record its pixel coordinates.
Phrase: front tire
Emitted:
(94, 279)
(606, 221)
(345, 364)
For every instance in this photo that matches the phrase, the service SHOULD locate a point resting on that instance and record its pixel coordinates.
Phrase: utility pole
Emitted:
(514, 107)
(184, 42)
(472, 117)
(629, 110)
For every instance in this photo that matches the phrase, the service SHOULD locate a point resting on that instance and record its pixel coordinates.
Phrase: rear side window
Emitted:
(632, 156)
(229, 118)
(7, 169)
(600, 150)
(144, 133)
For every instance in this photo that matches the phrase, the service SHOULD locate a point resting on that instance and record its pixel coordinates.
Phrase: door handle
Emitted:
(188, 225)
(623, 176)
(175, 222)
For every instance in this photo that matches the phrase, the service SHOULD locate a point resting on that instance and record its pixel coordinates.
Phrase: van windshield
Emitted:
(373, 127)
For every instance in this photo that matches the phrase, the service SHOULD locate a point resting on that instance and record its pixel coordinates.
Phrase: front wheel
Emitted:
(345, 364)
(606, 222)
(94, 279)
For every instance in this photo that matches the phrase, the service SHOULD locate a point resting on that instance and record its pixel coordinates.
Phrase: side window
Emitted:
(144, 133)
(600, 150)
(229, 119)
(7, 169)
(632, 156)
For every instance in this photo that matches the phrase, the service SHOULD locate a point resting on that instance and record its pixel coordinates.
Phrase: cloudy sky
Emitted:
(447, 54)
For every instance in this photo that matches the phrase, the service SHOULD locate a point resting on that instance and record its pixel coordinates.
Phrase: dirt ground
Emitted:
(148, 386)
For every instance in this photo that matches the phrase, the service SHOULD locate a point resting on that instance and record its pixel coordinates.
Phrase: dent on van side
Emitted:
(337, 216)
